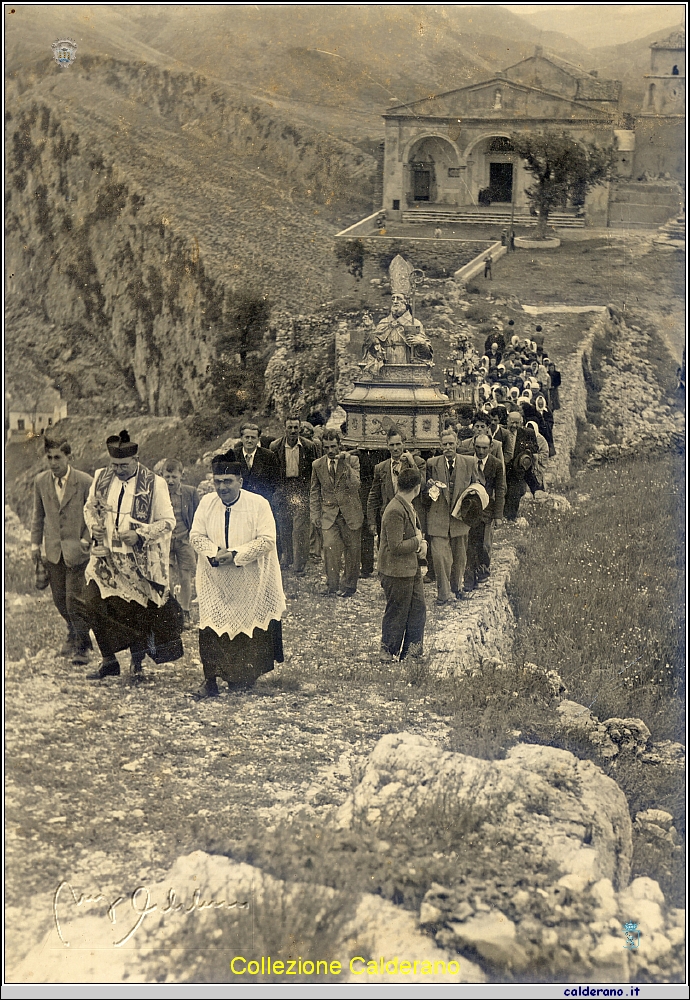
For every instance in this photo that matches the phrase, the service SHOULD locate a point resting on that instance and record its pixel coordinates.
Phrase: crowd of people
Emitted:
(113, 545)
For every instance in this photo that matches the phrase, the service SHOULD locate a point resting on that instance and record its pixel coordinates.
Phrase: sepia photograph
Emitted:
(344, 373)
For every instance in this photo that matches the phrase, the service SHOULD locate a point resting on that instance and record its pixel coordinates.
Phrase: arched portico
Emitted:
(431, 171)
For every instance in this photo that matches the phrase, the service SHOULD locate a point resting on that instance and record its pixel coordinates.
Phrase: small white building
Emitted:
(31, 415)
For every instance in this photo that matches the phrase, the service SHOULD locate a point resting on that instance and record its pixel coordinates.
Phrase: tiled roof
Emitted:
(676, 40)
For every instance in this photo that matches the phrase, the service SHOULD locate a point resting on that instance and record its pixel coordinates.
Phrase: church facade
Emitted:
(453, 151)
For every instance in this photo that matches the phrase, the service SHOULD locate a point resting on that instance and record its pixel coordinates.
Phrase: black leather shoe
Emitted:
(209, 689)
(67, 648)
(347, 592)
(80, 657)
(108, 668)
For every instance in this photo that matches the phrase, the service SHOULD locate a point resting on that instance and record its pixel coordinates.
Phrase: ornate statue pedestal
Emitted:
(404, 395)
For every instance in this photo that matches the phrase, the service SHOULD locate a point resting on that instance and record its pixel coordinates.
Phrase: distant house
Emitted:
(31, 415)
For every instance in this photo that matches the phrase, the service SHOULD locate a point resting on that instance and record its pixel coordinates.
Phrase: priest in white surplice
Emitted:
(238, 582)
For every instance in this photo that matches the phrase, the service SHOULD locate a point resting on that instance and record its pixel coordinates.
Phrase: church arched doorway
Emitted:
(432, 173)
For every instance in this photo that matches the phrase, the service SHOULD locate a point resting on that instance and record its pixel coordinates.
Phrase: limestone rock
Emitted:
(564, 809)
(493, 937)
(258, 907)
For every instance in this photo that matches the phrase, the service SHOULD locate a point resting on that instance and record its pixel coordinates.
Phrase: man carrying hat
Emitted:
(128, 601)
(519, 447)
(238, 582)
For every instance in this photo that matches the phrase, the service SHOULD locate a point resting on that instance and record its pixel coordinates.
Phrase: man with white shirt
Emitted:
(489, 472)
(295, 456)
(238, 582)
(58, 522)
(448, 475)
(128, 599)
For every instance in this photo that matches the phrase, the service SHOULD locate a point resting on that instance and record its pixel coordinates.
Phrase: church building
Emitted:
(451, 153)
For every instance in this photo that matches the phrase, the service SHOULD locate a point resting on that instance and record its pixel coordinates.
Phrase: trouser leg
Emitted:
(300, 536)
(532, 481)
(332, 551)
(488, 544)
(284, 522)
(315, 542)
(75, 587)
(186, 567)
(458, 546)
(57, 575)
(443, 562)
(514, 490)
(413, 643)
(352, 543)
(475, 545)
(367, 550)
(398, 591)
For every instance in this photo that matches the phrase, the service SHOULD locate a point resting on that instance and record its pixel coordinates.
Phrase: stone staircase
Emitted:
(673, 232)
(488, 217)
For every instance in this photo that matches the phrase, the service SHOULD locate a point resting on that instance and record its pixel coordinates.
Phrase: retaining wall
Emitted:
(481, 627)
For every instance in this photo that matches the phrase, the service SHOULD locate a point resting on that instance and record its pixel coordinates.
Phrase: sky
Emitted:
(601, 23)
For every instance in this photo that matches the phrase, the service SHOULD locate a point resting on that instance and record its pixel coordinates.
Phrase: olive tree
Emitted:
(563, 168)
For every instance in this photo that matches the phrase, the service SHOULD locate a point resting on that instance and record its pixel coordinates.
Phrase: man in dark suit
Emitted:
(259, 465)
(447, 476)
(519, 447)
(385, 483)
(401, 547)
(489, 472)
(337, 510)
(294, 457)
(58, 520)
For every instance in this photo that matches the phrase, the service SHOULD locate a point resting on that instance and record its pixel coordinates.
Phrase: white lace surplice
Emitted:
(248, 595)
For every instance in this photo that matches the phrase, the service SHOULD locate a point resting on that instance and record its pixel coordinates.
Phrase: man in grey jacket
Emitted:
(58, 520)
(401, 547)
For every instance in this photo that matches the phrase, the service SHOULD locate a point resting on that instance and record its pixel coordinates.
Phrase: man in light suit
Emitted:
(448, 535)
(337, 510)
(58, 520)
(489, 473)
(385, 484)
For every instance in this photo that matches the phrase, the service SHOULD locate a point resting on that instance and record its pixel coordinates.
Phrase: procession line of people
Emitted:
(110, 543)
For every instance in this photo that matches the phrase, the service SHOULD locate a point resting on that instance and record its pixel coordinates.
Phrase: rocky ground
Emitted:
(109, 784)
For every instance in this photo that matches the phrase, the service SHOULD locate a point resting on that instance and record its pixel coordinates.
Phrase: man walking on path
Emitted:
(128, 600)
(401, 547)
(184, 500)
(241, 600)
(295, 456)
(489, 473)
(58, 521)
(337, 510)
(447, 476)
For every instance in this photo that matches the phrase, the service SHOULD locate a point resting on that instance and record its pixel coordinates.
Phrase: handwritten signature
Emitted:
(140, 905)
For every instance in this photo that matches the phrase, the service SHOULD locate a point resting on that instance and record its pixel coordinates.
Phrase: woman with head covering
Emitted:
(541, 459)
(547, 419)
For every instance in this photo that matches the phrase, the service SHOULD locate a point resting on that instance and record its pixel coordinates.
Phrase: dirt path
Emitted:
(108, 783)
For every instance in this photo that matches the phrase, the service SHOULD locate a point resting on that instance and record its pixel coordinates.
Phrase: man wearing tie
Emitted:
(58, 520)
(259, 466)
(519, 446)
(488, 471)
(385, 483)
(448, 476)
(336, 509)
